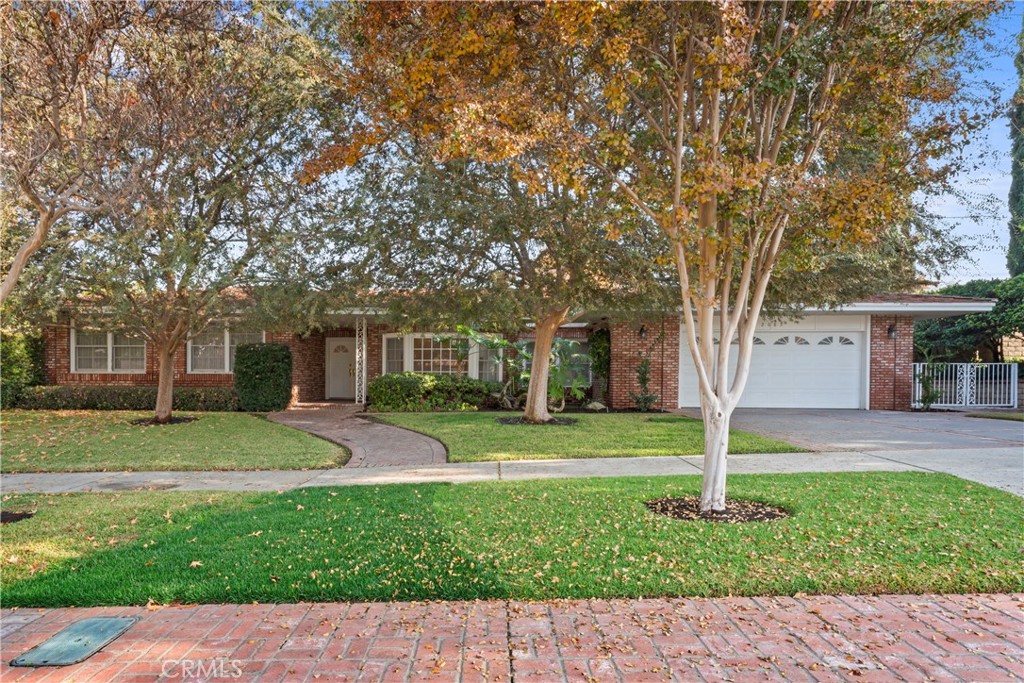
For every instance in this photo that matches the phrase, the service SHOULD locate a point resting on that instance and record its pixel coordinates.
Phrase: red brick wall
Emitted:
(309, 357)
(892, 361)
(660, 344)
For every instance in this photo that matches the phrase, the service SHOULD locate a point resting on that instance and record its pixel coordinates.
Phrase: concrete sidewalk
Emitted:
(999, 467)
(806, 639)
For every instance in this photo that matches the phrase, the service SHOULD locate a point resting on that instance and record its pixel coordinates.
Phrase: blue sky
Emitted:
(991, 151)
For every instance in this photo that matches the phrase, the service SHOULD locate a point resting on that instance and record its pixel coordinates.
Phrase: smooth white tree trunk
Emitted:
(716, 455)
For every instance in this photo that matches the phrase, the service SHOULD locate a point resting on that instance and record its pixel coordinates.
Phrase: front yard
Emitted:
(849, 533)
(472, 437)
(1015, 417)
(100, 441)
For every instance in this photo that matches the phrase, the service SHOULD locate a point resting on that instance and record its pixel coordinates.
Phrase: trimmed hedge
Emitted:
(100, 397)
(21, 365)
(413, 392)
(263, 377)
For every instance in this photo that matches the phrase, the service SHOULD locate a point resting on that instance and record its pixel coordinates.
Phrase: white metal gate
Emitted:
(967, 385)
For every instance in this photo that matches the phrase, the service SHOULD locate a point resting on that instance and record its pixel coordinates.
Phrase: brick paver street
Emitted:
(974, 638)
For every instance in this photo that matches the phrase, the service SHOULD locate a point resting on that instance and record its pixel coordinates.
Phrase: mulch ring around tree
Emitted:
(11, 517)
(736, 511)
(558, 421)
(150, 422)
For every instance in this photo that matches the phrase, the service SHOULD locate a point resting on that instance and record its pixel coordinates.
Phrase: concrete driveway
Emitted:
(987, 451)
(878, 430)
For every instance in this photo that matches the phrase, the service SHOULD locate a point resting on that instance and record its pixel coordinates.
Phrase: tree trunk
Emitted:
(716, 450)
(165, 383)
(24, 253)
(536, 409)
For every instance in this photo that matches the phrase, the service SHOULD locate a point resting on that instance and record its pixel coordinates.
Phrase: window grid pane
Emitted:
(436, 357)
(208, 352)
(90, 351)
(490, 364)
(394, 355)
(129, 353)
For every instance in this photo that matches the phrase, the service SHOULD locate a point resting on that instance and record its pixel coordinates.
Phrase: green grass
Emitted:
(94, 441)
(1016, 417)
(472, 437)
(849, 533)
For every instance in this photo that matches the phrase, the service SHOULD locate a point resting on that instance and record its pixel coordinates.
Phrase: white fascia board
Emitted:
(939, 308)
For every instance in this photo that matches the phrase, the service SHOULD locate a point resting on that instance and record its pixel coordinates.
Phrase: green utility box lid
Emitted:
(76, 643)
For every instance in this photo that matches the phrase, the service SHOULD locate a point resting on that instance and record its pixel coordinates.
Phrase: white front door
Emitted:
(341, 367)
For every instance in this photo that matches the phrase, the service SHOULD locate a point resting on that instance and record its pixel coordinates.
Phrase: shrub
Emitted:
(646, 399)
(414, 392)
(21, 365)
(263, 377)
(599, 346)
(101, 397)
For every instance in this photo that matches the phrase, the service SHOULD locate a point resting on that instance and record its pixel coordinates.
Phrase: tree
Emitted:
(223, 128)
(753, 134)
(1015, 252)
(462, 242)
(960, 339)
(67, 111)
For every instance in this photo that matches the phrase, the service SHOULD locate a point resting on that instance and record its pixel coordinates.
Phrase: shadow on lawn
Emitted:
(356, 544)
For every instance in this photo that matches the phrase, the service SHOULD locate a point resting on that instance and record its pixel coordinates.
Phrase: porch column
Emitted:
(361, 360)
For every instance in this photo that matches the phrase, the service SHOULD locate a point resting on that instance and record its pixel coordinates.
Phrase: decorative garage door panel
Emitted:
(793, 369)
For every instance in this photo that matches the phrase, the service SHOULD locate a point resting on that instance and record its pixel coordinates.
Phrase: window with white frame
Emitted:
(394, 355)
(440, 355)
(94, 351)
(128, 354)
(214, 350)
(435, 356)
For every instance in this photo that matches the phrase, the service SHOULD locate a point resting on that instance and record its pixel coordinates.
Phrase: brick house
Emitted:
(858, 357)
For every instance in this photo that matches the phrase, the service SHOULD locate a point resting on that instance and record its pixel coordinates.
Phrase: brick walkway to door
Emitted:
(372, 444)
(807, 640)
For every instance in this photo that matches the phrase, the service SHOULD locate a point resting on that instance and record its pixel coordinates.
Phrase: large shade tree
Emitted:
(208, 182)
(461, 242)
(754, 135)
(1015, 251)
(965, 338)
(67, 113)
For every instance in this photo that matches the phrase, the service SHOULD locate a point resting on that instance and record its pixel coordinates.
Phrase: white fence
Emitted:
(967, 385)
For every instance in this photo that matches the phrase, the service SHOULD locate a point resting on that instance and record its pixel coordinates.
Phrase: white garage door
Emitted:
(793, 369)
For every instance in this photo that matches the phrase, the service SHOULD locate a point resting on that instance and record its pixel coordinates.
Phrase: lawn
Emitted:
(1015, 417)
(472, 437)
(849, 533)
(100, 441)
